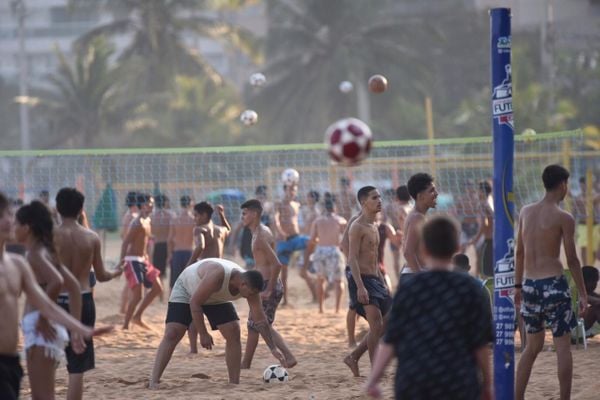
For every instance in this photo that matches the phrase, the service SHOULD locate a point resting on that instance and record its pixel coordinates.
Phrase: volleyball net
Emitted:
(229, 175)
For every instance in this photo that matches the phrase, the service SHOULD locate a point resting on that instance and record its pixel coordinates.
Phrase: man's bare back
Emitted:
(214, 240)
(79, 250)
(328, 229)
(541, 230)
(161, 219)
(182, 232)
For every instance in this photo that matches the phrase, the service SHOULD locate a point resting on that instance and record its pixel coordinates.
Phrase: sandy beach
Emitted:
(124, 358)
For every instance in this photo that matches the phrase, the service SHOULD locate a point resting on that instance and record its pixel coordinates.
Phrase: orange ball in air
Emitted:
(378, 83)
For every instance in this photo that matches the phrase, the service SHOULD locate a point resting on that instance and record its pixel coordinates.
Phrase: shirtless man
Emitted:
(160, 222)
(263, 251)
(181, 239)
(541, 290)
(366, 287)
(79, 251)
(138, 270)
(288, 235)
(346, 199)
(329, 262)
(397, 219)
(207, 288)
(16, 277)
(210, 238)
(131, 214)
(423, 191)
(351, 314)
(486, 230)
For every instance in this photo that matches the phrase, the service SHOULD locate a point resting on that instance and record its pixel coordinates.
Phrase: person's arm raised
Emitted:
(223, 218)
(262, 326)
(568, 231)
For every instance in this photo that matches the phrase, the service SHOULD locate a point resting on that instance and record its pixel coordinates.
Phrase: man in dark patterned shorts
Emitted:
(545, 291)
(263, 244)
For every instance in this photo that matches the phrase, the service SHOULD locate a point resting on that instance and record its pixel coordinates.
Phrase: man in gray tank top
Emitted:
(207, 288)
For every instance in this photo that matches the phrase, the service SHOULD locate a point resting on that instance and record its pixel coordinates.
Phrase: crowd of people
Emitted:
(337, 240)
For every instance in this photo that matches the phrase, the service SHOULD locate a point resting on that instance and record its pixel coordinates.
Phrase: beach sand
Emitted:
(124, 359)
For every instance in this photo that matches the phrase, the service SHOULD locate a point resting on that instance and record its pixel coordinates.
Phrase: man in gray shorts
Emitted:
(207, 288)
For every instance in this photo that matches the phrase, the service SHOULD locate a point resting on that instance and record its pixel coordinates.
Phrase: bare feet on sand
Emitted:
(140, 323)
(352, 364)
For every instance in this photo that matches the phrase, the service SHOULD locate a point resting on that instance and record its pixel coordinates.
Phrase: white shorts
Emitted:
(329, 262)
(54, 349)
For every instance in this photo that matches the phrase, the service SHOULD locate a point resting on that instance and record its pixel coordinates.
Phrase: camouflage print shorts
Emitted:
(548, 301)
(269, 305)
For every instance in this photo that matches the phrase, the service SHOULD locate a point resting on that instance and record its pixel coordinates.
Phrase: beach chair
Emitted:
(580, 328)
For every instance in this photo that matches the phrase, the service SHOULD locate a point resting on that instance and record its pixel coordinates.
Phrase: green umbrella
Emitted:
(105, 216)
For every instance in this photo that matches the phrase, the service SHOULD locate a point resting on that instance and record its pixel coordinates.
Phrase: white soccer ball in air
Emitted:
(275, 374)
(348, 141)
(249, 117)
(257, 79)
(346, 87)
(290, 176)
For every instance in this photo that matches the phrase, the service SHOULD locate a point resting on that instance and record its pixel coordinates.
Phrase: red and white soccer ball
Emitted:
(348, 141)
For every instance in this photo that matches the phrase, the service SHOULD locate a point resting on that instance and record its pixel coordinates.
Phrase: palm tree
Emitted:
(314, 45)
(84, 98)
(158, 29)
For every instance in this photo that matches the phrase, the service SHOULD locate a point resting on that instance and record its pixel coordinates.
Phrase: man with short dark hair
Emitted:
(429, 368)
(540, 284)
(207, 288)
(289, 238)
(210, 238)
(138, 270)
(267, 264)
(422, 189)
(367, 290)
(79, 250)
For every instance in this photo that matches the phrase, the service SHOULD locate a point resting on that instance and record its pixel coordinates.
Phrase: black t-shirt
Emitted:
(438, 320)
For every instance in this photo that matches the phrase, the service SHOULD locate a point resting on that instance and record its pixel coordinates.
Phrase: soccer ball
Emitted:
(290, 176)
(346, 86)
(348, 141)
(275, 374)
(257, 79)
(378, 84)
(249, 117)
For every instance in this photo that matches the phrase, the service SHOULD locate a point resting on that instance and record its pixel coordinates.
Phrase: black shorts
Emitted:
(159, 258)
(11, 374)
(217, 314)
(379, 296)
(80, 363)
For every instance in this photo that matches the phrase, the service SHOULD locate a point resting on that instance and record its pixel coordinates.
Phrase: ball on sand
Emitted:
(346, 86)
(378, 83)
(249, 117)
